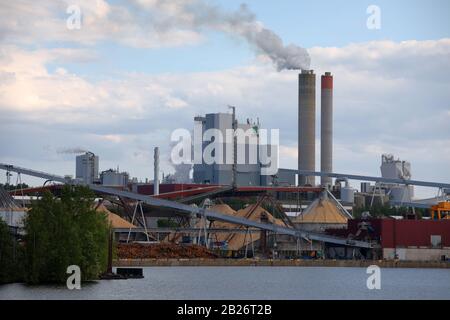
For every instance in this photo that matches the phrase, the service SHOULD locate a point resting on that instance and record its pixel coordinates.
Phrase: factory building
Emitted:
(382, 193)
(87, 168)
(284, 177)
(247, 173)
(411, 240)
(397, 169)
(114, 178)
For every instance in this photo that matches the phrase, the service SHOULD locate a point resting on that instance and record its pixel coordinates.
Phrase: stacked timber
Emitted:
(162, 251)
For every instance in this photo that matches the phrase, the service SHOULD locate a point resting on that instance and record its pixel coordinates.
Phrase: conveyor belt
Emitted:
(194, 210)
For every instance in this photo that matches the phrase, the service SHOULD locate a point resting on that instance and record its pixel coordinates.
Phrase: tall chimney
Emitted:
(306, 125)
(156, 172)
(326, 128)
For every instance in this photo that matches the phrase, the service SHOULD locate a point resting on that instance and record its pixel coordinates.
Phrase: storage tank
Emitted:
(401, 193)
(347, 194)
(306, 125)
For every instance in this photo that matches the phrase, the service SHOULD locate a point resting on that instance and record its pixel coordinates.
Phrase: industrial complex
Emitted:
(236, 211)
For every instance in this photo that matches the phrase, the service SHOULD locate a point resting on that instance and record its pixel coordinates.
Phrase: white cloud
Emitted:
(23, 22)
(389, 97)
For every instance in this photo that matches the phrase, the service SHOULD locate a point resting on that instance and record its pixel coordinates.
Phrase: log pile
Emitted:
(162, 251)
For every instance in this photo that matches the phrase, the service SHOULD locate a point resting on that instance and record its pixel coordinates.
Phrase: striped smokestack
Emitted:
(326, 128)
(306, 125)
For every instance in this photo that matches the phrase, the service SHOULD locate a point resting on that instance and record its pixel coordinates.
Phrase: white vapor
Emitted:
(200, 14)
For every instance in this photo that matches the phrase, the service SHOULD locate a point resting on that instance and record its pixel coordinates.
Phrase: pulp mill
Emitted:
(236, 211)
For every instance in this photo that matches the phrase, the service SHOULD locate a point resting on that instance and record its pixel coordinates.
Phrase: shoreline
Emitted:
(278, 263)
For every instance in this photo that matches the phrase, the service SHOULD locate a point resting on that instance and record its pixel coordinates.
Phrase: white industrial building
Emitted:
(114, 178)
(247, 173)
(87, 168)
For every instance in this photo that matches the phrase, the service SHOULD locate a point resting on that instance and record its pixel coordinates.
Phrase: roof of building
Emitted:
(322, 210)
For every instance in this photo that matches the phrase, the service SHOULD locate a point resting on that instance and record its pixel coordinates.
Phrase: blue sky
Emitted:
(307, 23)
(123, 82)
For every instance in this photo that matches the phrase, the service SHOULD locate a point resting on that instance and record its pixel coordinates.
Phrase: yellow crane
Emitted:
(441, 211)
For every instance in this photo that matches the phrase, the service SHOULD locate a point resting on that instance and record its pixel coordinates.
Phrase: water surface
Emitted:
(262, 283)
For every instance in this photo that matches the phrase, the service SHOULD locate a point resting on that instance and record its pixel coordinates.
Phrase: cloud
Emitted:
(393, 60)
(143, 24)
(389, 97)
(25, 23)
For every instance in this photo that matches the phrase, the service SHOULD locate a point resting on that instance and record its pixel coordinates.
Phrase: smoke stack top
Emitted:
(327, 81)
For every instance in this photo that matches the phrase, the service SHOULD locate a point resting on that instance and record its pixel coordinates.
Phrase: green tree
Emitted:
(11, 256)
(166, 223)
(63, 232)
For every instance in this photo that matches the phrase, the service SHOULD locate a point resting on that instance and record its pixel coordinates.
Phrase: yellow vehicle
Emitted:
(440, 211)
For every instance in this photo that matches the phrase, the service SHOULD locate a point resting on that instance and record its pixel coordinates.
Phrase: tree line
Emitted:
(58, 232)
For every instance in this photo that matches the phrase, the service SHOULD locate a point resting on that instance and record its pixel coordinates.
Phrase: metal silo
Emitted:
(306, 124)
(326, 128)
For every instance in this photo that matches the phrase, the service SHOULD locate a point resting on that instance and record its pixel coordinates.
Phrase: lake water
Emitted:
(262, 283)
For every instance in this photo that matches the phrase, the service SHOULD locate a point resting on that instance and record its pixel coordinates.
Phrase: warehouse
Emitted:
(411, 240)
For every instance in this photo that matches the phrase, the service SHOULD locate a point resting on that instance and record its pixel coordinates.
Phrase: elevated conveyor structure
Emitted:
(187, 209)
(371, 178)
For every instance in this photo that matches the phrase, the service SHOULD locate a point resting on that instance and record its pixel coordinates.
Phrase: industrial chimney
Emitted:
(326, 128)
(306, 125)
(156, 172)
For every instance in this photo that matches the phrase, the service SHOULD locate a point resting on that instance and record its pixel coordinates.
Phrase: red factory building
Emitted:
(416, 240)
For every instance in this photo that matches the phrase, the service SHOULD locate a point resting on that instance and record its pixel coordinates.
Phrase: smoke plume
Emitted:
(70, 151)
(242, 23)
(182, 170)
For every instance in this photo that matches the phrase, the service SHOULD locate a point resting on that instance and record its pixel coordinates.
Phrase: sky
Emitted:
(137, 70)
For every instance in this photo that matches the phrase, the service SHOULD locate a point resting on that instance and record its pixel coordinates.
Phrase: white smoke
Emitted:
(182, 171)
(201, 14)
(70, 150)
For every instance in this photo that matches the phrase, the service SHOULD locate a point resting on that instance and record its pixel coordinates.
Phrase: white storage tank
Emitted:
(401, 193)
(347, 194)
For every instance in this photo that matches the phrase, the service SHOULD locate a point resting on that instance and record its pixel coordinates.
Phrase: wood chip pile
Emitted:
(162, 251)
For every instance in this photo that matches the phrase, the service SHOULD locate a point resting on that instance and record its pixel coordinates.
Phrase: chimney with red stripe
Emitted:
(326, 128)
